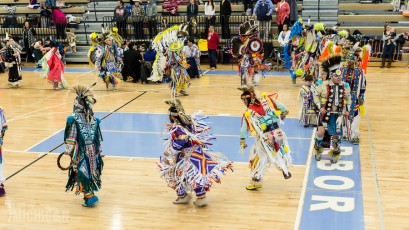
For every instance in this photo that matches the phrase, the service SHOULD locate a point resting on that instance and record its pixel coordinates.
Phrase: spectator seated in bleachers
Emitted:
(33, 4)
(170, 7)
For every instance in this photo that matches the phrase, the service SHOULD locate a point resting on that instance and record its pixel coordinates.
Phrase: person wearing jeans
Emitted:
(120, 17)
(151, 12)
(212, 44)
(263, 11)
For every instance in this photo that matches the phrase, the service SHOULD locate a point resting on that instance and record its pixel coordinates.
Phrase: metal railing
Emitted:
(144, 28)
(44, 27)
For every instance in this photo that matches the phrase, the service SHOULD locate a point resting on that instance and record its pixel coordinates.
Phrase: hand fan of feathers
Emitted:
(238, 48)
(248, 28)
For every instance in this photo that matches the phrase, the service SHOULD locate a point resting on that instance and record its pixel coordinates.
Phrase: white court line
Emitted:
(44, 140)
(304, 185)
(24, 115)
(38, 102)
(217, 135)
(374, 171)
(108, 156)
(49, 107)
(43, 114)
(85, 73)
(205, 72)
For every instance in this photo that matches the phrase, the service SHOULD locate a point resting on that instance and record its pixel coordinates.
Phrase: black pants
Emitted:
(152, 28)
(286, 22)
(193, 71)
(60, 30)
(209, 22)
(29, 50)
(388, 50)
(122, 29)
(224, 21)
(138, 30)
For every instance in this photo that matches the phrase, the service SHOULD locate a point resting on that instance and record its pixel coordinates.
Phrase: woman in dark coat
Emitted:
(13, 62)
(293, 11)
(225, 12)
(129, 60)
(29, 34)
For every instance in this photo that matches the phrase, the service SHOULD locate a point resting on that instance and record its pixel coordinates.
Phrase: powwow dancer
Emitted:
(170, 60)
(3, 125)
(261, 119)
(294, 50)
(308, 112)
(108, 57)
(187, 164)
(13, 62)
(249, 47)
(353, 73)
(333, 99)
(83, 142)
(53, 68)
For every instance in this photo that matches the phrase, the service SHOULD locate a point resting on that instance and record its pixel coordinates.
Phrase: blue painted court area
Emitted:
(333, 198)
(139, 135)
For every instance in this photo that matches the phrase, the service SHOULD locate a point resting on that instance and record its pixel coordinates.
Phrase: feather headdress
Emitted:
(171, 39)
(84, 100)
(176, 110)
(248, 94)
(331, 64)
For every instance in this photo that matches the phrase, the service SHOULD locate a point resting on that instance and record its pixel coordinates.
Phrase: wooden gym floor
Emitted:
(135, 197)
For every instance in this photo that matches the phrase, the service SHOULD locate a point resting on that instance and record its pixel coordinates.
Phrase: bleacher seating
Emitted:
(354, 7)
(25, 10)
(25, 2)
(370, 18)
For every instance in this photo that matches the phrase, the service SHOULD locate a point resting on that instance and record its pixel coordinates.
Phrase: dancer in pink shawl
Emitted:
(53, 67)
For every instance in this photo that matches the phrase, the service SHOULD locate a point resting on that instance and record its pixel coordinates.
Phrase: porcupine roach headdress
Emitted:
(248, 94)
(331, 64)
(176, 110)
(84, 100)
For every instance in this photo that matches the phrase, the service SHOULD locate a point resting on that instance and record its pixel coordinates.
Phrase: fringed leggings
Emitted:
(200, 192)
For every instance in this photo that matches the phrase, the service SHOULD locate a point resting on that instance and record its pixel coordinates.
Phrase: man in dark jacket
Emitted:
(151, 12)
(225, 12)
(138, 63)
(120, 16)
(192, 10)
(263, 11)
(132, 66)
(29, 35)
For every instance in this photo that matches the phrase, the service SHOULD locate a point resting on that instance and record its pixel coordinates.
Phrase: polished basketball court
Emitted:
(368, 190)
